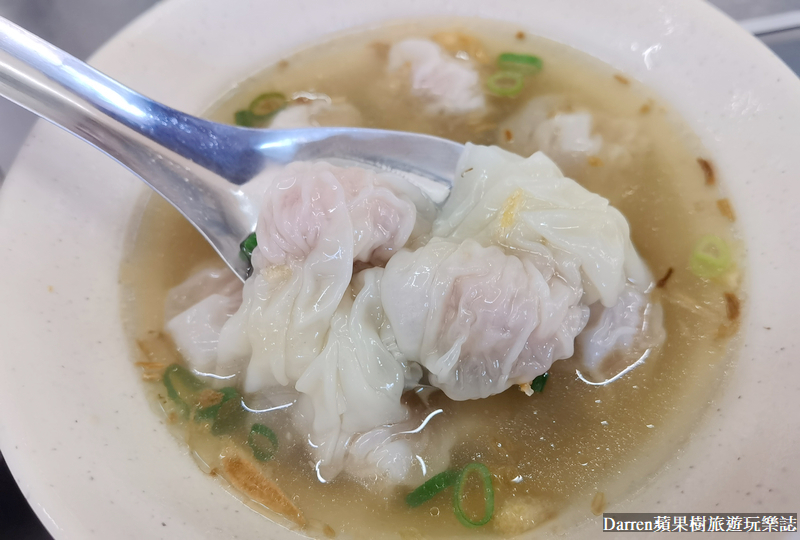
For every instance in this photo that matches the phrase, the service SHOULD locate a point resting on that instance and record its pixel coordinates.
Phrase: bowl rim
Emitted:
(66, 451)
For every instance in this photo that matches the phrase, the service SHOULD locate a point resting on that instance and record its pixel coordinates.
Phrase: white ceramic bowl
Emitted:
(76, 430)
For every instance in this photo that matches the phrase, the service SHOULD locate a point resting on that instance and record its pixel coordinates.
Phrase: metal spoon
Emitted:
(195, 164)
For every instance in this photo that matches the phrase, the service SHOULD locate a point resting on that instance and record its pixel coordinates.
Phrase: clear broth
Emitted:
(556, 456)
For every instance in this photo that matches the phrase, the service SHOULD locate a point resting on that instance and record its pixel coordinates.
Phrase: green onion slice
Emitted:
(260, 451)
(247, 246)
(505, 83)
(488, 495)
(266, 105)
(538, 383)
(711, 257)
(429, 489)
(523, 63)
(211, 412)
(182, 386)
(230, 415)
(245, 119)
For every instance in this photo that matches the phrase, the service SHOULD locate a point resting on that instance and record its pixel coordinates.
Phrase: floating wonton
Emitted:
(196, 311)
(317, 110)
(628, 329)
(448, 85)
(572, 135)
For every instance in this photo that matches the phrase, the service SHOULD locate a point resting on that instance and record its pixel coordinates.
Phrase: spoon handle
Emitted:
(76, 97)
(175, 153)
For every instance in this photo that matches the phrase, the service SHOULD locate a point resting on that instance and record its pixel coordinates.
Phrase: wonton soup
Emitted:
(512, 359)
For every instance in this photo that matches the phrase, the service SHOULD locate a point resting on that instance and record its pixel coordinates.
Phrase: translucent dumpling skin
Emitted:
(197, 309)
(524, 203)
(447, 85)
(321, 111)
(570, 133)
(518, 256)
(480, 320)
(316, 220)
(362, 287)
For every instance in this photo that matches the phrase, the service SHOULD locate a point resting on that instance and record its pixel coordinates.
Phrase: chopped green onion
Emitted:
(260, 110)
(505, 83)
(538, 383)
(266, 105)
(488, 495)
(429, 489)
(523, 63)
(247, 246)
(261, 452)
(229, 416)
(711, 257)
(211, 412)
(181, 386)
(245, 119)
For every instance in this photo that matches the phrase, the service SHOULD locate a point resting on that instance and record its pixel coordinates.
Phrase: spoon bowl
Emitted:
(195, 164)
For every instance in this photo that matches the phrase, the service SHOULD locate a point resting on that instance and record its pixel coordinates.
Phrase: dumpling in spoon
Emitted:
(350, 398)
(316, 221)
(480, 320)
(519, 255)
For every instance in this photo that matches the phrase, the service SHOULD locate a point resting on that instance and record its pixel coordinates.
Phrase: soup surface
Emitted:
(556, 456)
